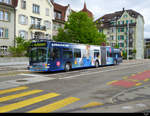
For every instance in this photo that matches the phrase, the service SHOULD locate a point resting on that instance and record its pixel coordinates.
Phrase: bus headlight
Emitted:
(46, 66)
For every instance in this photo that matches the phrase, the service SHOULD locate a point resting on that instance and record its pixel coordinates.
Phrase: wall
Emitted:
(14, 60)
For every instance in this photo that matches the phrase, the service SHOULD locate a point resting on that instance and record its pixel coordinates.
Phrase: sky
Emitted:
(102, 7)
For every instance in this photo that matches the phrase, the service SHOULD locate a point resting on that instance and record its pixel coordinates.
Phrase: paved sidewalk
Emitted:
(14, 63)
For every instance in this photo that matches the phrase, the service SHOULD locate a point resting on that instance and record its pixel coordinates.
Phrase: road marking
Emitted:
(141, 105)
(92, 104)
(127, 107)
(55, 106)
(90, 73)
(133, 74)
(6, 98)
(146, 80)
(23, 74)
(126, 77)
(138, 84)
(133, 80)
(111, 82)
(12, 90)
(27, 102)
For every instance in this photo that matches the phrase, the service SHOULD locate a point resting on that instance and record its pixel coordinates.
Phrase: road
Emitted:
(121, 88)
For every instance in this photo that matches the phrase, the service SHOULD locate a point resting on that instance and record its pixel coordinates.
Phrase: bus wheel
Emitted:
(96, 64)
(67, 67)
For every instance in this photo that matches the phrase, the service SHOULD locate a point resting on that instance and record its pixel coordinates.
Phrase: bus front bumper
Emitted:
(36, 69)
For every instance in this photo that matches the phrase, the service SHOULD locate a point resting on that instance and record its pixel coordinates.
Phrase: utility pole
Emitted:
(128, 41)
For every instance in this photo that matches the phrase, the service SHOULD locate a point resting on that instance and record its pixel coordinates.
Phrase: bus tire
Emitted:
(96, 64)
(67, 67)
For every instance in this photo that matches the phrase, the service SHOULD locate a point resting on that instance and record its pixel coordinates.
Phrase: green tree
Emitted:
(80, 29)
(21, 47)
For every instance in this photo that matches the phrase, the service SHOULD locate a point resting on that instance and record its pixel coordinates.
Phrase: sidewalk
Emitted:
(14, 63)
(7, 61)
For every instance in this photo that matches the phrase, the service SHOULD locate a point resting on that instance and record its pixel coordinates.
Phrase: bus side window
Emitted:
(67, 54)
(96, 53)
(55, 53)
(77, 53)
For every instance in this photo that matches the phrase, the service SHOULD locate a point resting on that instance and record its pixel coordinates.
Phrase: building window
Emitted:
(47, 11)
(120, 29)
(1, 15)
(4, 15)
(3, 50)
(23, 19)
(125, 16)
(6, 33)
(32, 21)
(35, 21)
(121, 44)
(121, 37)
(58, 15)
(6, 18)
(6, 1)
(23, 34)
(36, 9)
(3, 33)
(23, 4)
(47, 24)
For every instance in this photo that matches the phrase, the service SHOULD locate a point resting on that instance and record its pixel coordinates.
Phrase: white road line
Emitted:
(29, 75)
(127, 107)
(84, 74)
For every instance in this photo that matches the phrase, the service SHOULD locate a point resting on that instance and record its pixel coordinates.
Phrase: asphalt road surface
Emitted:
(121, 88)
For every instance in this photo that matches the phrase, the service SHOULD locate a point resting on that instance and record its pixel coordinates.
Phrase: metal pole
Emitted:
(128, 42)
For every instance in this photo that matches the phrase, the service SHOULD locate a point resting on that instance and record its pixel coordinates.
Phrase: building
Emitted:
(124, 29)
(89, 13)
(146, 47)
(7, 25)
(34, 19)
(61, 14)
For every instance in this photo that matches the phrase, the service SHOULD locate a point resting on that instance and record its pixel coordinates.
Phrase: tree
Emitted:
(21, 47)
(80, 29)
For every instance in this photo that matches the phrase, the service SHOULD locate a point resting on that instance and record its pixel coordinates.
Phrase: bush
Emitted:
(21, 47)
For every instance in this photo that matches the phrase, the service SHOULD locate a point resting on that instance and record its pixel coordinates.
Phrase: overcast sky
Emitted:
(101, 7)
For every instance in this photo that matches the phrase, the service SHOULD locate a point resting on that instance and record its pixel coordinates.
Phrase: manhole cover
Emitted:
(21, 80)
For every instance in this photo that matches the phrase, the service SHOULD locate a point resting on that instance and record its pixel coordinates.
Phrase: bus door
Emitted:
(67, 56)
(55, 58)
(103, 55)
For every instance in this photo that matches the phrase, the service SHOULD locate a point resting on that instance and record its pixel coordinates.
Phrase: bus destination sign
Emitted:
(39, 44)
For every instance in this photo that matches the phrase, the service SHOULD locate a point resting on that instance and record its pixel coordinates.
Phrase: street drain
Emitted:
(21, 81)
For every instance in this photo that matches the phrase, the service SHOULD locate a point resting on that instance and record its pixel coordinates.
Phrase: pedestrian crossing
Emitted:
(8, 95)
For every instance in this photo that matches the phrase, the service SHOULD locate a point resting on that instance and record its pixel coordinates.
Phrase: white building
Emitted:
(34, 19)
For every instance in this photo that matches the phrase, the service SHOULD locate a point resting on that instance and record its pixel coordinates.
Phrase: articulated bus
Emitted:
(56, 56)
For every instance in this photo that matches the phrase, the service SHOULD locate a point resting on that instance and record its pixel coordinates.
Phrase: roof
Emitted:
(115, 16)
(12, 5)
(90, 14)
(61, 9)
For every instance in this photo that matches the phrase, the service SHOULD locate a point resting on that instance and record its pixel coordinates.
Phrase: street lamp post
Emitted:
(128, 42)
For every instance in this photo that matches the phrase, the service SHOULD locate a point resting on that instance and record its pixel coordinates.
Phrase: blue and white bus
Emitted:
(56, 56)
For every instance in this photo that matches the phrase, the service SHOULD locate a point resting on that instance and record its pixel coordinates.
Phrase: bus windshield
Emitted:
(38, 54)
